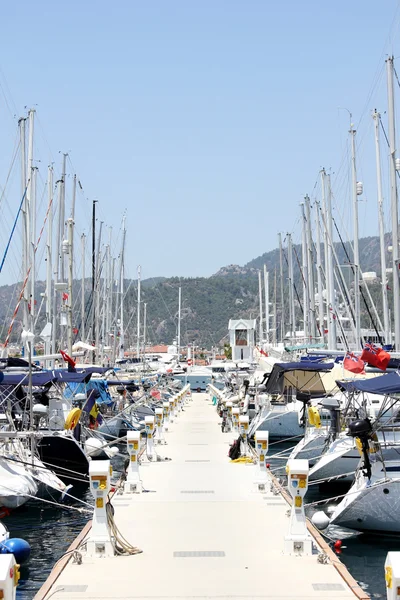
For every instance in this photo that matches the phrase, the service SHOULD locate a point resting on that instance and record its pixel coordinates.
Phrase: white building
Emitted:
(242, 338)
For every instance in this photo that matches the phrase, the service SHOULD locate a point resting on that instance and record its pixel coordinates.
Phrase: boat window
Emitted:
(241, 337)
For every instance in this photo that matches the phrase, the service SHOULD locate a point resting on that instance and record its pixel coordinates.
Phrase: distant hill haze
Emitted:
(207, 302)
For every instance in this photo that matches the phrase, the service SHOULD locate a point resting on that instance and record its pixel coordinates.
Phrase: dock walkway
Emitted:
(204, 530)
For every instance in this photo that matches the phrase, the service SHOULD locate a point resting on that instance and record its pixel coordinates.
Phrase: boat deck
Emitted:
(205, 532)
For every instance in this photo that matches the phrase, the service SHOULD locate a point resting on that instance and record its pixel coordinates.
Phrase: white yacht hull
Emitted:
(370, 508)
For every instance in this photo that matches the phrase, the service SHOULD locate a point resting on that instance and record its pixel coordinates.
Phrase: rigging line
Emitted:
(301, 273)
(13, 229)
(359, 287)
(27, 276)
(10, 170)
(294, 286)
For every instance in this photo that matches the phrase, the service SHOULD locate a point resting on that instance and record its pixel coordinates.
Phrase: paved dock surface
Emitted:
(204, 530)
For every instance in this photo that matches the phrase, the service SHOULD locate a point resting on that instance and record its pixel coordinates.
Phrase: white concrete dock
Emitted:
(204, 530)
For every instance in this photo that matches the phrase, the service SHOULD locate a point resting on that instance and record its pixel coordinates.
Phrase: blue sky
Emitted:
(207, 121)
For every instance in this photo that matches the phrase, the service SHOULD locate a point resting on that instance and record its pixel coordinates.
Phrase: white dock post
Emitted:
(149, 427)
(261, 440)
(171, 410)
(99, 541)
(166, 406)
(299, 540)
(175, 406)
(243, 429)
(235, 419)
(392, 575)
(133, 483)
(228, 426)
(159, 426)
(179, 401)
(9, 576)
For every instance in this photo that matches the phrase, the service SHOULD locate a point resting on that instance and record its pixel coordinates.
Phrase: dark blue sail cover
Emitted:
(384, 384)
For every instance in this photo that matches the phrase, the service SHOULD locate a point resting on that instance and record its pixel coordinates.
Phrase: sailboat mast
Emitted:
(376, 116)
(306, 303)
(49, 257)
(70, 230)
(266, 294)
(281, 287)
(319, 273)
(97, 291)
(179, 323)
(292, 315)
(145, 332)
(83, 315)
(355, 241)
(93, 265)
(331, 300)
(274, 320)
(394, 203)
(31, 203)
(310, 269)
(122, 274)
(139, 270)
(25, 218)
(260, 335)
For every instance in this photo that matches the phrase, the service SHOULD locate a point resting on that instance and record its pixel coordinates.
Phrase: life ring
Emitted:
(73, 418)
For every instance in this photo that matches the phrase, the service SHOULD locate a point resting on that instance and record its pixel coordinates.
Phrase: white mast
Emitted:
(49, 265)
(261, 311)
(70, 239)
(122, 271)
(70, 232)
(319, 273)
(394, 204)
(83, 314)
(306, 302)
(266, 293)
(376, 116)
(31, 205)
(97, 291)
(138, 313)
(25, 221)
(144, 332)
(292, 313)
(310, 268)
(109, 289)
(355, 242)
(281, 287)
(179, 323)
(332, 334)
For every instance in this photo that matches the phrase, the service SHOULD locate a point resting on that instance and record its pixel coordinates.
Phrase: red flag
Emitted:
(377, 357)
(353, 363)
(68, 359)
(65, 296)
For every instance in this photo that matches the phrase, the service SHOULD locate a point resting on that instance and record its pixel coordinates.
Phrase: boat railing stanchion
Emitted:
(9, 576)
(171, 410)
(159, 437)
(99, 542)
(243, 430)
(392, 575)
(235, 419)
(262, 478)
(133, 483)
(149, 427)
(228, 426)
(298, 541)
(166, 409)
